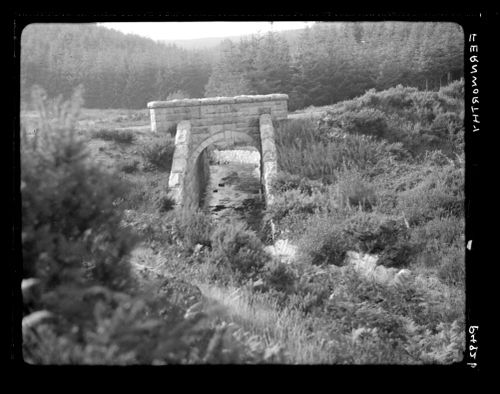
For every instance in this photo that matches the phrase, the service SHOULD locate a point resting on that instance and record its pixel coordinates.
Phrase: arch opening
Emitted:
(222, 171)
(205, 122)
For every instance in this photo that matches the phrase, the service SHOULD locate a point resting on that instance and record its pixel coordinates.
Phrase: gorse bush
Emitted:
(383, 235)
(71, 227)
(440, 194)
(324, 242)
(239, 250)
(128, 166)
(421, 120)
(158, 155)
(279, 276)
(294, 202)
(329, 236)
(367, 121)
(354, 190)
(120, 136)
(165, 203)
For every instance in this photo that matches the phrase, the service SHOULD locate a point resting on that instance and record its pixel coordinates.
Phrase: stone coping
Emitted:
(217, 100)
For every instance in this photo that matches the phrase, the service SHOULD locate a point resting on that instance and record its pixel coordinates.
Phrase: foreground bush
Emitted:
(71, 227)
(143, 329)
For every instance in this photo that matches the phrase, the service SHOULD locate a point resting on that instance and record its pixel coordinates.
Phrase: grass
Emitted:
(260, 315)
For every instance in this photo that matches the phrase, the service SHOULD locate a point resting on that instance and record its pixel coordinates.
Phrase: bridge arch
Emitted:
(203, 122)
(229, 137)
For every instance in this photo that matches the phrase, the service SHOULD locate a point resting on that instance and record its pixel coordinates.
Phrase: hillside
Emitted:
(321, 65)
(117, 70)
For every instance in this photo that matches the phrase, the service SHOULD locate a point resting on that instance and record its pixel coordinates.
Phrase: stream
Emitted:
(234, 188)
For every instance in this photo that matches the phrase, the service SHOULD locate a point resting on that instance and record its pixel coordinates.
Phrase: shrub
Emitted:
(128, 166)
(165, 203)
(451, 269)
(314, 286)
(279, 276)
(367, 121)
(238, 249)
(158, 155)
(380, 234)
(133, 330)
(439, 234)
(440, 194)
(120, 136)
(353, 190)
(284, 181)
(294, 202)
(454, 90)
(324, 242)
(192, 228)
(372, 231)
(70, 225)
(421, 120)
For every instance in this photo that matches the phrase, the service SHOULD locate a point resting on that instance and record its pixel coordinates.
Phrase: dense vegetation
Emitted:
(361, 186)
(116, 70)
(324, 64)
(358, 179)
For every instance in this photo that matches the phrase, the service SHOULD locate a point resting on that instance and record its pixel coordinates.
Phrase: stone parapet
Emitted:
(218, 100)
(216, 110)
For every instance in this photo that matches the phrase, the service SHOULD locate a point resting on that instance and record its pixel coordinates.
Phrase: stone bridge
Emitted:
(228, 121)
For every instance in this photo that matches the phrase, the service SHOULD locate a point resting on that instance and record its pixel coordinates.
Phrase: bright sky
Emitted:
(189, 30)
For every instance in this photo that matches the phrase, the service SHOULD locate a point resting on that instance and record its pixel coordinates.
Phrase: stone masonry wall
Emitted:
(196, 182)
(204, 122)
(269, 166)
(180, 161)
(213, 115)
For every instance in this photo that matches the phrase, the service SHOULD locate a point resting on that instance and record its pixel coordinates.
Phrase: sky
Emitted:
(190, 30)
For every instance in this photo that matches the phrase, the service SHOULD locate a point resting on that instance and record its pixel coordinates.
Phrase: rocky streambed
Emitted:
(234, 189)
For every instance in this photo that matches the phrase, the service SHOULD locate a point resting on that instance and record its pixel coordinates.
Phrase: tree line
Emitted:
(324, 64)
